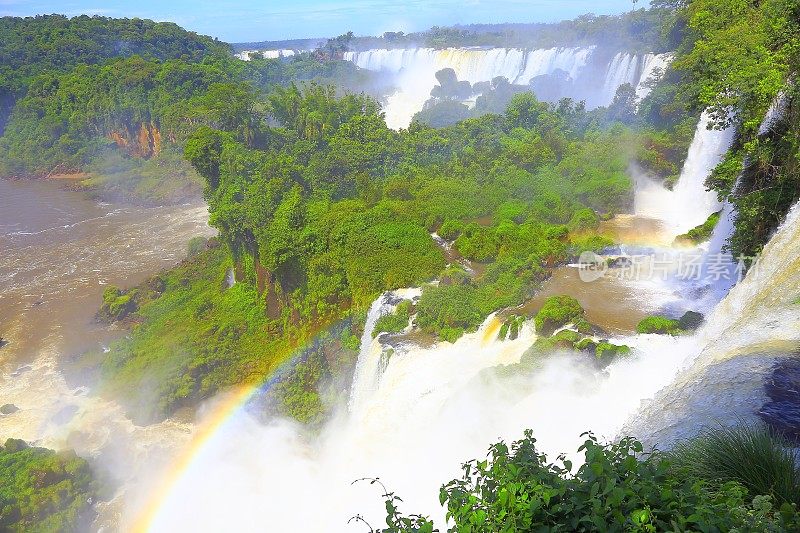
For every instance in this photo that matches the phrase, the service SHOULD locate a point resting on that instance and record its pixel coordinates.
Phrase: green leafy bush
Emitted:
(451, 229)
(619, 487)
(394, 322)
(117, 304)
(701, 233)
(557, 312)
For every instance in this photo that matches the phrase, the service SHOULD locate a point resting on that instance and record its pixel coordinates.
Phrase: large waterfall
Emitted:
(593, 79)
(417, 411)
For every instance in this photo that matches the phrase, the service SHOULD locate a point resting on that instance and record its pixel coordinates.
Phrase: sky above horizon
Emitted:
(254, 20)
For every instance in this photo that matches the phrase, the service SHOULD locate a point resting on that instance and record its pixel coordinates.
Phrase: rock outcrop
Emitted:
(142, 141)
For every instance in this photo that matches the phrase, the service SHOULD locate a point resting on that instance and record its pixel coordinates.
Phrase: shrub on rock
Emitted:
(659, 325)
(557, 312)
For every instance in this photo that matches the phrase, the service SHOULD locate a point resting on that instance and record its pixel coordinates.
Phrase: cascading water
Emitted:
(415, 70)
(412, 420)
(689, 204)
(368, 365)
(653, 67)
(267, 54)
(623, 69)
(757, 322)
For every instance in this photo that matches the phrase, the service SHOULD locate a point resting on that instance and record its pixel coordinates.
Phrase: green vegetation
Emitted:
(557, 312)
(41, 490)
(714, 72)
(510, 328)
(192, 336)
(395, 322)
(659, 325)
(602, 351)
(326, 208)
(116, 98)
(701, 233)
(750, 455)
(618, 487)
(368, 197)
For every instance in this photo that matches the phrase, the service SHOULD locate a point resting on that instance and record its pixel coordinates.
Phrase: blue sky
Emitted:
(258, 20)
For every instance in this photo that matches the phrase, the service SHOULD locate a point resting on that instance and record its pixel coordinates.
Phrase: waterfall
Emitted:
(639, 71)
(689, 204)
(366, 371)
(370, 357)
(728, 359)
(434, 407)
(414, 70)
(653, 68)
(268, 54)
(623, 69)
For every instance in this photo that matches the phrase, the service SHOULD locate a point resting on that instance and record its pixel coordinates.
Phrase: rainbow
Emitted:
(231, 403)
(222, 412)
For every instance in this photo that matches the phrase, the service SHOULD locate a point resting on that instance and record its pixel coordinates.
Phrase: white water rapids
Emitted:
(417, 412)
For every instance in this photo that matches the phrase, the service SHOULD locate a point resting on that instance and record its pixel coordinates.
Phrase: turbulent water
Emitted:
(59, 251)
(591, 77)
(417, 411)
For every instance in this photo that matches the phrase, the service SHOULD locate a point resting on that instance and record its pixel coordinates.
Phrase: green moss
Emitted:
(586, 345)
(606, 351)
(557, 312)
(503, 333)
(659, 325)
(117, 304)
(510, 328)
(701, 233)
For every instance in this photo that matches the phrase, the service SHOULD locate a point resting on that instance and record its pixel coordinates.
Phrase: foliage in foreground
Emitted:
(751, 455)
(41, 490)
(619, 487)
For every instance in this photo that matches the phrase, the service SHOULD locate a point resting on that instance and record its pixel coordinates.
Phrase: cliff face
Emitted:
(144, 141)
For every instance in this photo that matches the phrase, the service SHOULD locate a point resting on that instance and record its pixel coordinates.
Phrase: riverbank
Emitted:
(166, 180)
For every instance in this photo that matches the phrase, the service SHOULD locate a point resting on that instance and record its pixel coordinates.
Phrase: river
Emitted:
(59, 250)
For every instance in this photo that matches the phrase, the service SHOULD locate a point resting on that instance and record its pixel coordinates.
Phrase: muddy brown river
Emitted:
(58, 251)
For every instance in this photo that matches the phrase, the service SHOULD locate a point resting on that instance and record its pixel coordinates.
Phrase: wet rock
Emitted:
(783, 384)
(784, 418)
(691, 320)
(782, 414)
(620, 262)
(8, 409)
(3, 342)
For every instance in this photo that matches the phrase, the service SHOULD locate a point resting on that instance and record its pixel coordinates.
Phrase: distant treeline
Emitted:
(117, 97)
(636, 31)
(288, 44)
